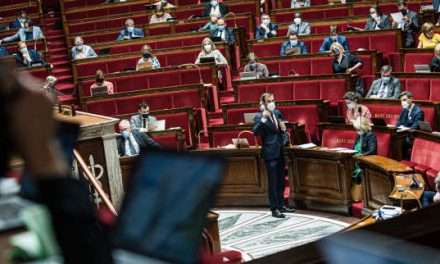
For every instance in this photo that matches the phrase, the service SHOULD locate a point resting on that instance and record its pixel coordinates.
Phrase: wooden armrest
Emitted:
(384, 163)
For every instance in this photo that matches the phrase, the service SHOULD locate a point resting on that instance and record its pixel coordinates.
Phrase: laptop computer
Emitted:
(103, 52)
(159, 125)
(248, 75)
(165, 207)
(425, 126)
(422, 68)
(379, 121)
(100, 91)
(207, 60)
(249, 117)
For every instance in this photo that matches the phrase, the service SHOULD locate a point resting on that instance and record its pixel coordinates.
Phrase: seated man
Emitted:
(148, 60)
(411, 113)
(435, 62)
(300, 27)
(101, 82)
(334, 37)
(267, 29)
(223, 33)
(29, 32)
(387, 87)
(409, 24)
(254, 66)
(211, 25)
(130, 32)
(20, 21)
(299, 3)
(293, 46)
(82, 51)
(143, 120)
(430, 197)
(131, 141)
(28, 57)
(377, 20)
(213, 7)
(160, 16)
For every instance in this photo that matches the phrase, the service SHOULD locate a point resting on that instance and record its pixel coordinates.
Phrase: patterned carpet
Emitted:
(257, 234)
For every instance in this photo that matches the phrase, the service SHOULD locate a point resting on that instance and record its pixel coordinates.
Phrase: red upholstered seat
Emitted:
(333, 138)
(410, 59)
(435, 90)
(223, 138)
(303, 114)
(179, 119)
(250, 92)
(236, 116)
(425, 154)
(282, 90)
(169, 142)
(332, 90)
(102, 107)
(383, 144)
(420, 88)
(388, 112)
(307, 90)
(321, 66)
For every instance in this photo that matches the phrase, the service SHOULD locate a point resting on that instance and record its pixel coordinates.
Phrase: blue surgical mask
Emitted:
(386, 79)
(221, 27)
(125, 134)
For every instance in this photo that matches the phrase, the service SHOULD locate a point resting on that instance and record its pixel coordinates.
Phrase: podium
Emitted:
(98, 147)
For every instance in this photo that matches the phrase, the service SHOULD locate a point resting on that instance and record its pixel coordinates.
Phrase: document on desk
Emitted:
(306, 146)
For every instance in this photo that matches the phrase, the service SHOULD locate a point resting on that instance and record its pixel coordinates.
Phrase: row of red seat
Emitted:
(165, 77)
(237, 7)
(335, 11)
(119, 63)
(195, 96)
(8, 10)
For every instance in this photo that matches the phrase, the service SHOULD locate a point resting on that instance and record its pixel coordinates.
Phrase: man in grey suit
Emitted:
(143, 120)
(387, 87)
(28, 33)
(409, 24)
(301, 28)
(377, 20)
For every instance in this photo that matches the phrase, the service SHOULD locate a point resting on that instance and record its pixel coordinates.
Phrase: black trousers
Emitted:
(275, 177)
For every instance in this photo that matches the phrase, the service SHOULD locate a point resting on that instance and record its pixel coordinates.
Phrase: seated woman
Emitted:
(210, 51)
(428, 39)
(254, 66)
(354, 109)
(148, 60)
(430, 197)
(435, 63)
(160, 16)
(344, 62)
(101, 82)
(365, 144)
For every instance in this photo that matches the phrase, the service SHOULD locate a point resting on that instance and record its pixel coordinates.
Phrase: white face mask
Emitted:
(266, 21)
(271, 106)
(23, 50)
(262, 108)
(130, 29)
(297, 20)
(374, 16)
(294, 42)
(351, 105)
(405, 104)
(214, 3)
(207, 47)
(79, 47)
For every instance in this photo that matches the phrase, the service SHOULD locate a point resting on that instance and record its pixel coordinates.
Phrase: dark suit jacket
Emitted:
(412, 121)
(260, 32)
(137, 33)
(35, 56)
(286, 45)
(223, 9)
(273, 140)
(435, 64)
(393, 88)
(383, 24)
(16, 24)
(229, 35)
(144, 141)
(325, 46)
(369, 143)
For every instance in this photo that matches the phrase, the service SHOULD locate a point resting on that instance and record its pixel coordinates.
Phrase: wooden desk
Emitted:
(321, 177)
(378, 180)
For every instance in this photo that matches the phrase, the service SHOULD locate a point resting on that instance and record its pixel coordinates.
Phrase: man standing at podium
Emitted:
(272, 130)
